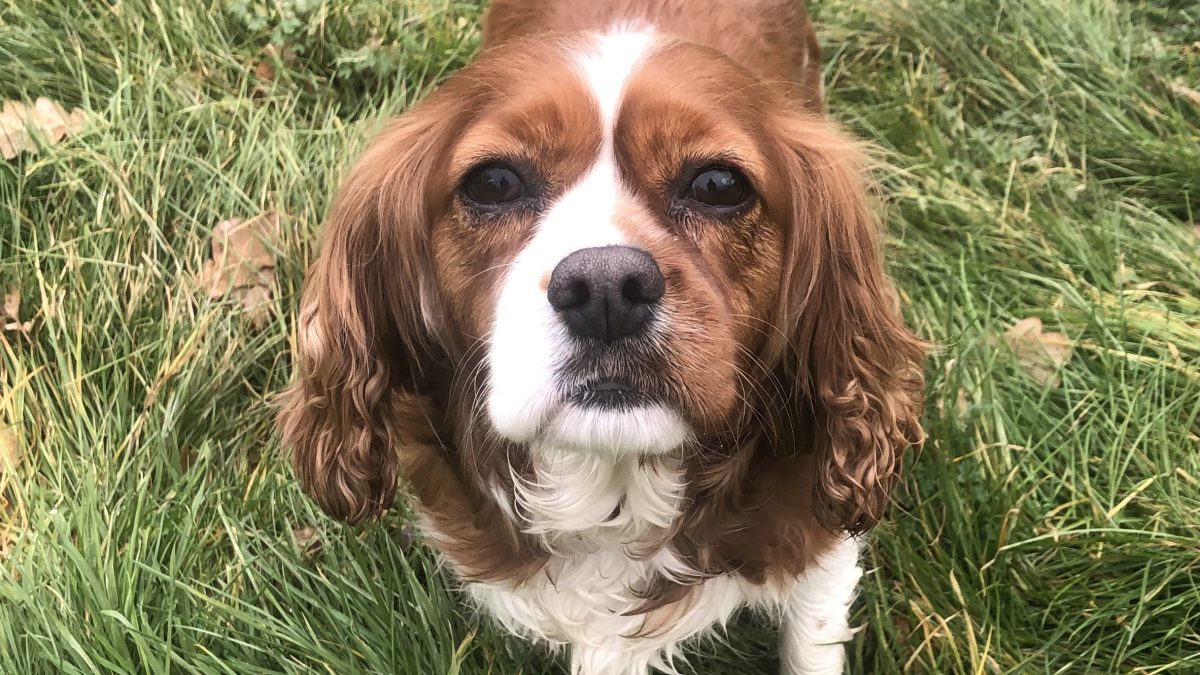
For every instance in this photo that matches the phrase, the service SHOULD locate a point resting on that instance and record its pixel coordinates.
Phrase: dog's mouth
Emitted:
(611, 394)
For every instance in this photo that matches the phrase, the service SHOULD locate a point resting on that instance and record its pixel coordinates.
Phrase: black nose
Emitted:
(606, 293)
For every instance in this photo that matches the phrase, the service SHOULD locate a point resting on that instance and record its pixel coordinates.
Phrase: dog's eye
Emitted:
(493, 184)
(720, 187)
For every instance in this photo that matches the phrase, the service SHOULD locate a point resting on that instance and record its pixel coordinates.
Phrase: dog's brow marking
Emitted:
(609, 65)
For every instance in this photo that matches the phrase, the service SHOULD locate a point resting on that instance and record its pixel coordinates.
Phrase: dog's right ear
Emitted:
(363, 333)
(856, 368)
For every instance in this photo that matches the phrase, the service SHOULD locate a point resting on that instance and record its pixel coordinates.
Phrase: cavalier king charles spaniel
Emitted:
(610, 304)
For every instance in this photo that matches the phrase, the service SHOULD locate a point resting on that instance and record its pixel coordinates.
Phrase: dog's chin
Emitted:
(599, 416)
(629, 427)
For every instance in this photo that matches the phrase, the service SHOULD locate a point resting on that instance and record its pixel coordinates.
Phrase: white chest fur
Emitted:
(583, 600)
(604, 518)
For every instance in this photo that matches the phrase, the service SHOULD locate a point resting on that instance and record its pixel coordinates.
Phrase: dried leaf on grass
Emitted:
(10, 453)
(21, 124)
(308, 540)
(243, 264)
(265, 71)
(10, 459)
(1040, 354)
(10, 313)
(1183, 91)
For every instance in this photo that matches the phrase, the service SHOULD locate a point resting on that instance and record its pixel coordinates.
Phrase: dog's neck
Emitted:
(572, 498)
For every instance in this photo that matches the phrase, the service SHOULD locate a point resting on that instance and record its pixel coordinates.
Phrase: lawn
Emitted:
(1038, 159)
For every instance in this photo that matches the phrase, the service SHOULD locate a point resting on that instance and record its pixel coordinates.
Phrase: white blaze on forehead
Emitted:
(607, 68)
(528, 340)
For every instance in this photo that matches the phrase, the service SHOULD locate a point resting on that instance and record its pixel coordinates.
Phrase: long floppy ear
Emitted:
(362, 332)
(856, 369)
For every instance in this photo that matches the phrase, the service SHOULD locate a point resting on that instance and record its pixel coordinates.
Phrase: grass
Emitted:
(1037, 162)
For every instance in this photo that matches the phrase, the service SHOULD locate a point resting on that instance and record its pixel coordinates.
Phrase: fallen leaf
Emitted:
(10, 313)
(265, 71)
(10, 459)
(10, 452)
(1039, 353)
(21, 123)
(242, 265)
(1183, 91)
(308, 540)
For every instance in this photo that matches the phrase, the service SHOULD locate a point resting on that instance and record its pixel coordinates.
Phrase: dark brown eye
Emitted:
(492, 185)
(720, 187)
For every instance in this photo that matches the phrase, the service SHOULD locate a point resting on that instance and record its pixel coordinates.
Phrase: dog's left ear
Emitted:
(363, 333)
(855, 369)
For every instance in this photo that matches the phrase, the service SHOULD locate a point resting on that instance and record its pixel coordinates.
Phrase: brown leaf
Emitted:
(1183, 91)
(10, 452)
(265, 70)
(1039, 353)
(308, 540)
(10, 313)
(10, 459)
(257, 301)
(243, 265)
(21, 123)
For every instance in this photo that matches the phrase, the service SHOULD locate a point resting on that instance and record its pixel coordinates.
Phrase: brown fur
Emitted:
(786, 354)
(772, 38)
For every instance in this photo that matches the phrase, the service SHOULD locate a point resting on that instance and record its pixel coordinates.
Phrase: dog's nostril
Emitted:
(643, 287)
(580, 293)
(606, 293)
(632, 290)
(567, 293)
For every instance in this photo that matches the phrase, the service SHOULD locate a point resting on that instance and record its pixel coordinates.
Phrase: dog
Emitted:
(610, 303)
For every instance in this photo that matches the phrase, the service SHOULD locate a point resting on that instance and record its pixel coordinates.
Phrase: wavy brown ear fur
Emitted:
(855, 368)
(362, 333)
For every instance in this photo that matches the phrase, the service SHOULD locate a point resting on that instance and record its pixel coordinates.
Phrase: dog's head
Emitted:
(614, 245)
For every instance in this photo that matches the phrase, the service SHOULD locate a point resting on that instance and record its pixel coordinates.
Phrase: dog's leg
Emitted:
(816, 613)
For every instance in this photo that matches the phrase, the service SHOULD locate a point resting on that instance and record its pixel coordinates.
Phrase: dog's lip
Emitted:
(610, 386)
(609, 393)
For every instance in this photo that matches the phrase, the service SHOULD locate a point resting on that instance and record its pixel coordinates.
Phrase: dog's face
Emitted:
(610, 245)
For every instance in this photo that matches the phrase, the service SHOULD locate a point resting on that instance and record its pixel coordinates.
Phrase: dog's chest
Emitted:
(589, 600)
(606, 523)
